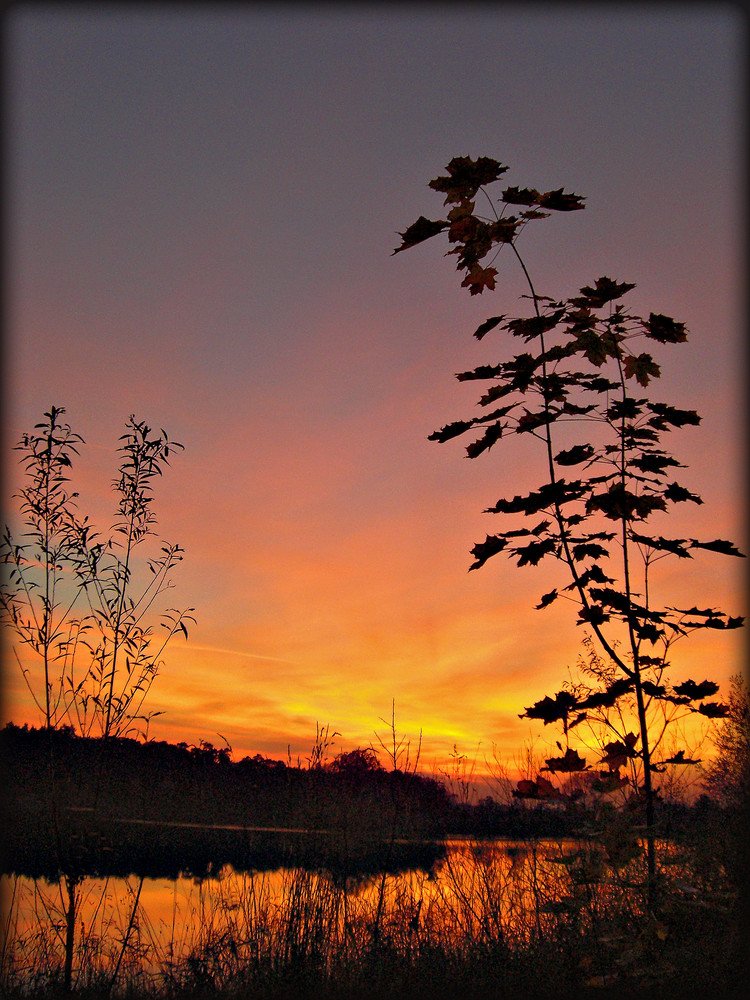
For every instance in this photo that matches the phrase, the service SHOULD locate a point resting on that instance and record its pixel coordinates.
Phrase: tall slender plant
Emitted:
(74, 600)
(583, 369)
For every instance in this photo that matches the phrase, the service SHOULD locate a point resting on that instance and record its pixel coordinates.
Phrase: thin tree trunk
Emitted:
(71, 882)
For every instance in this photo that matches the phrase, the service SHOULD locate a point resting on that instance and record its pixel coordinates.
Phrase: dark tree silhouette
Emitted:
(728, 776)
(357, 763)
(585, 366)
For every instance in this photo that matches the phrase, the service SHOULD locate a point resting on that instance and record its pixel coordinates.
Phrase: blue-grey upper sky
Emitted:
(202, 201)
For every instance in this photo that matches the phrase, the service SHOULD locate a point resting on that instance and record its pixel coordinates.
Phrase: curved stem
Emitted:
(635, 651)
(606, 645)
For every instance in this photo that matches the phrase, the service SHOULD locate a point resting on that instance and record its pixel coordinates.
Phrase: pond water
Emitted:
(165, 929)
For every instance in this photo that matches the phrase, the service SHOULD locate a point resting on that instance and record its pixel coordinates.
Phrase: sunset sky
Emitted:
(201, 207)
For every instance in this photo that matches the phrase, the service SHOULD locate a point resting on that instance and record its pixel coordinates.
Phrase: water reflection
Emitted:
(225, 918)
(120, 848)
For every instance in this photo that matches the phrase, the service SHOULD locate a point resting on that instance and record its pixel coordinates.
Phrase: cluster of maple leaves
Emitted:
(617, 753)
(476, 237)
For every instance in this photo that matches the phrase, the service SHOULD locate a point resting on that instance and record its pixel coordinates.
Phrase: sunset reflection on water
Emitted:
(479, 892)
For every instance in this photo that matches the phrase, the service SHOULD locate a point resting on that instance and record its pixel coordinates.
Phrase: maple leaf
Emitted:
(493, 434)
(593, 614)
(463, 229)
(718, 545)
(479, 278)
(521, 369)
(476, 244)
(496, 392)
(592, 346)
(680, 758)
(551, 709)
(677, 494)
(560, 202)
(713, 710)
(713, 619)
(461, 211)
(651, 689)
(689, 689)
(520, 196)
(594, 574)
(483, 551)
(570, 762)
(591, 549)
(539, 789)
(546, 600)
(618, 503)
(489, 324)
(481, 372)
(574, 456)
(625, 409)
(612, 599)
(545, 789)
(664, 329)
(530, 421)
(643, 367)
(632, 436)
(422, 229)
(580, 318)
(652, 661)
(706, 612)
(609, 696)
(618, 753)
(671, 415)
(466, 176)
(504, 230)
(534, 326)
(501, 412)
(598, 384)
(649, 632)
(540, 528)
(604, 290)
(450, 430)
(525, 789)
(531, 554)
(654, 462)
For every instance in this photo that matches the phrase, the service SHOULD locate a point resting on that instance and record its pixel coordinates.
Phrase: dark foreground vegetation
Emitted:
(371, 905)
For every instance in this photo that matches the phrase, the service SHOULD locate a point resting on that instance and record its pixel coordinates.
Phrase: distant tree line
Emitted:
(156, 780)
(353, 793)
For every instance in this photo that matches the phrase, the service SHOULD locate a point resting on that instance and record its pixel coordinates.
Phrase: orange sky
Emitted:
(202, 211)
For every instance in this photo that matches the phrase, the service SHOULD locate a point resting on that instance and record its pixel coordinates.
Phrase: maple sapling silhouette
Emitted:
(583, 365)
